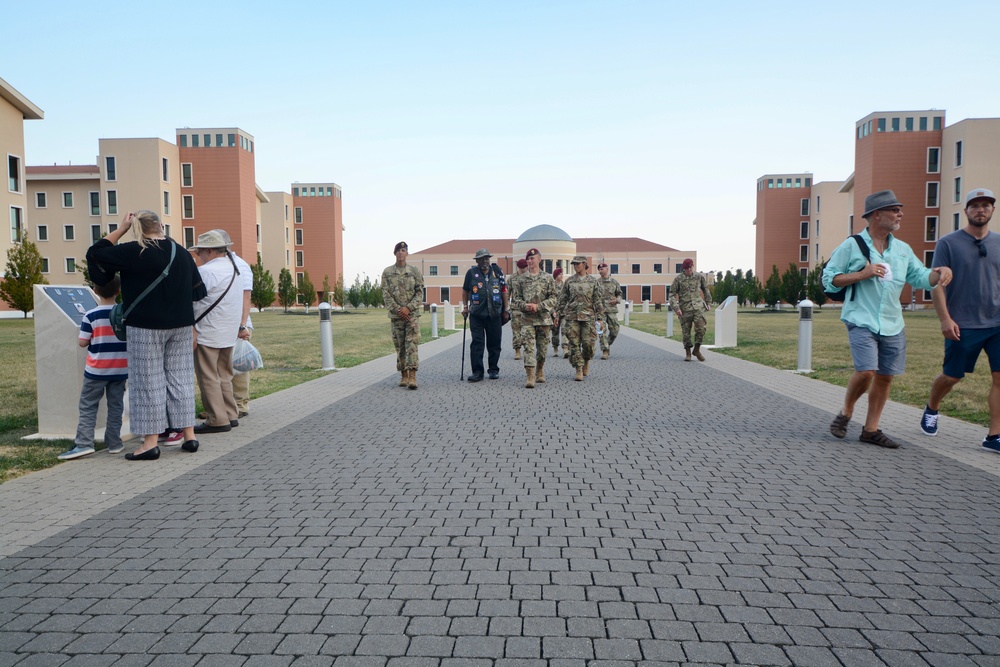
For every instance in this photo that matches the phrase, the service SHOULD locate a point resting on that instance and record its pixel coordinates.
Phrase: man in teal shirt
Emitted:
(872, 312)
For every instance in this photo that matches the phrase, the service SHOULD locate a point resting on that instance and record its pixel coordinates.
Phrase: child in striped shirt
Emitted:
(104, 375)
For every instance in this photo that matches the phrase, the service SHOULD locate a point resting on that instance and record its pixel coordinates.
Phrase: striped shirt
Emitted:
(107, 358)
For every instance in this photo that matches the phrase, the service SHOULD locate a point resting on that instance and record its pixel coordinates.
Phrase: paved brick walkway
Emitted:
(658, 513)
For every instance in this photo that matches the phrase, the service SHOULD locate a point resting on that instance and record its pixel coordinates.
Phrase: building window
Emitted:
(817, 227)
(286, 212)
(112, 226)
(895, 125)
(95, 234)
(647, 293)
(95, 203)
(454, 270)
(194, 141)
(208, 140)
(67, 200)
(298, 237)
(183, 140)
(166, 203)
(817, 203)
(446, 294)
(958, 153)
(930, 228)
(850, 225)
(804, 253)
(42, 232)
(932, 194)
(816, 252)
(909, 124)
(45, 264)
(881, 125)
(635, 268)
(40, 200)
(166, 170)
(933, 160)
(69, 233)
(232, 140)
(288, 257)
(657, 268)
(956, 220)
(433, 271)
(613, 268)
(218, 140)
(937, 122)
(188, 237)
(299, 277)
(300, 259)
(166, 230)
(110, 169)
(770, 184)
(186, 178)
(804, 229)
(958, 189)
(804, 207)
(13, 173)
(298, 214)
(187, 203)
(71, 265)
(112, 202)
(923, 123)
(625, 292)
(287, 237)
(16, 224)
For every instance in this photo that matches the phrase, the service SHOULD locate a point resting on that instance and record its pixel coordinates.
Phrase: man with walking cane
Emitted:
(486, 305)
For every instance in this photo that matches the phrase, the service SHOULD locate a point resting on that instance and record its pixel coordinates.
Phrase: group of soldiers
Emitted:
(578, 311)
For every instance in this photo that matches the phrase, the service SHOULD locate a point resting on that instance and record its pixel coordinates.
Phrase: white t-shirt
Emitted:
(220, 327)
(247, 275)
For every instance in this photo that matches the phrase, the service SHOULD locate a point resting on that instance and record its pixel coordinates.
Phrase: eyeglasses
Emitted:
(982, 248)
(894, 209)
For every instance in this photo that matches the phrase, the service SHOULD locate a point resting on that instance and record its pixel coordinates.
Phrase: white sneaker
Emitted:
(76, 452)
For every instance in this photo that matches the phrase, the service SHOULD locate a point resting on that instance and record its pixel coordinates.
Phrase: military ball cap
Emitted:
(579, 259)
(482, 252)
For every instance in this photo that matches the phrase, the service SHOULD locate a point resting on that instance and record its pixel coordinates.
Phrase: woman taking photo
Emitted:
(159, 327)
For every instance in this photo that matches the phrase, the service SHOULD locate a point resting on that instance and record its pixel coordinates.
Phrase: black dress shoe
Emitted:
(244, 414)
(148, 455)
(205, 427)
(478, 377)
(190, 446)
(494, 375)
(233, 423)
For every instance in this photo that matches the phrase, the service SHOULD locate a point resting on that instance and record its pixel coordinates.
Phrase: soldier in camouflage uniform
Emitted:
(535, 297)
(612, 291)
(515, 314)
(557, 276)
(581, 304)
(690, 298)
(403, 294)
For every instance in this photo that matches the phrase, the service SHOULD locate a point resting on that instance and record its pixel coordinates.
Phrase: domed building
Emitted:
(645, 269)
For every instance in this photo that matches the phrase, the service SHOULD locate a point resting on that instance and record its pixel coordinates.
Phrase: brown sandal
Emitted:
(838, 427)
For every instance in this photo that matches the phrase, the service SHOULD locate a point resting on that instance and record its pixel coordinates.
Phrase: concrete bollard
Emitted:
(628, 309)
(434, 320)
(449, 316)
(326, 337)
(805, 335)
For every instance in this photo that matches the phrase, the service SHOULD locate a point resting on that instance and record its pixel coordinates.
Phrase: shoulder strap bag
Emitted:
(236, 272)
(118, 315)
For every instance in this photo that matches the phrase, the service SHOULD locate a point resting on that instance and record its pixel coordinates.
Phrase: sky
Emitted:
(473, 119)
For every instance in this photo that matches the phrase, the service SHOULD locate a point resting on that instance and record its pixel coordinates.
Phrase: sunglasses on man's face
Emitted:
(982, 248)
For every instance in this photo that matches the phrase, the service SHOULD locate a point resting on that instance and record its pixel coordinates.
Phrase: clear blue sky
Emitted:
(474, 119)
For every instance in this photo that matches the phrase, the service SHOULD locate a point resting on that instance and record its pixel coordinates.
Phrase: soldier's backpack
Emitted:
(840, 295)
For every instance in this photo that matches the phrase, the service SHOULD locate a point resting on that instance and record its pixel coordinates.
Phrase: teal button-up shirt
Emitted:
(875, 305)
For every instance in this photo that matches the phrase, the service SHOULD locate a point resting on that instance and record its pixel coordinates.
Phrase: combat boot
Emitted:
(404, 380)
(517, 353)
(605, 354)
(586, 367)
(412, 384)
(530, 372)
(540, 371)
(579, 374)
(697, 353)
(687, 354)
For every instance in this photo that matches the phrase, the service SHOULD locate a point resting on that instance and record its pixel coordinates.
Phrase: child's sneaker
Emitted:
(76, 452)
(170, 438)
(929, 421)
(992, 443)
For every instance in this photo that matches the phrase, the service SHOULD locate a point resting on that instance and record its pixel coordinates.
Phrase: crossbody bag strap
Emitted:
(159, 279)
(219, 300)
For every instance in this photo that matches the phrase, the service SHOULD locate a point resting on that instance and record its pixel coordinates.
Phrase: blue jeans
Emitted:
(90, 401)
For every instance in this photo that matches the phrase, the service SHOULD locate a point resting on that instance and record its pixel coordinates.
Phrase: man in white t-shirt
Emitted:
(217, 324)
(241, 382)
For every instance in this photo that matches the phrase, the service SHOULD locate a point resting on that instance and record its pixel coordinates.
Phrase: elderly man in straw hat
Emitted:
(217, 325)
(872, 312)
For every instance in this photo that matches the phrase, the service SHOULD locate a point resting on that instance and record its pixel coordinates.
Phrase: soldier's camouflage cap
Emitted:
(580, 259)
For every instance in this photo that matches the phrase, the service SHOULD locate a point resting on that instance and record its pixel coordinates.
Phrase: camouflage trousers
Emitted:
(406, 338)
(582, 335)
(610, 331)
(698, 320)
(536, 343)
(555, 335)
(515, 329)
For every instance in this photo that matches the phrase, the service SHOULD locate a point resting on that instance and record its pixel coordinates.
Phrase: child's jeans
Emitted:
(90, 401)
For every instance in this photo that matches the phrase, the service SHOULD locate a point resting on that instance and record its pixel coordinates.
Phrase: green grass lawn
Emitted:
(289, 343)
(771, 338)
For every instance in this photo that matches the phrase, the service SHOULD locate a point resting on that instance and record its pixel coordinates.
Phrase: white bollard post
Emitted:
(628, 309)
(805, 336)
(725, 323)
(449, 316)
(326, 336)
(645, 307)
(434, 320)
(670, 323)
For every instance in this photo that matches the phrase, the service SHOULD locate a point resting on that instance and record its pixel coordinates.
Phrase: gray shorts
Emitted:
(871, 352)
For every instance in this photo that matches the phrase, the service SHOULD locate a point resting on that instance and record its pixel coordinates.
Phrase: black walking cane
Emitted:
(465, 324)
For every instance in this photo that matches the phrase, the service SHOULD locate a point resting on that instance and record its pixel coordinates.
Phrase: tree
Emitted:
(338, 291)
(24, 271)
(286, 289)
(754, 290)
(793, 284)
(326, 289)
(814, 286)
(772, 288)
(262, 294)
(367, 292)
(376, 297)
(354, 293)
(307, 291)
